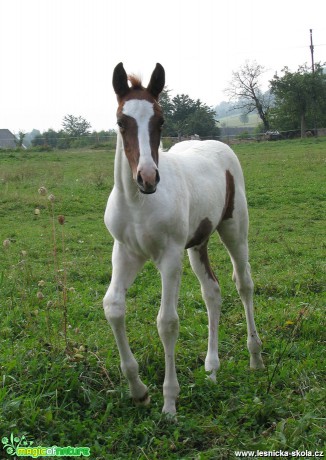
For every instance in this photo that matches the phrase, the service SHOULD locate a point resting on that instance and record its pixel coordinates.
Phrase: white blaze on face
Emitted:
(142, 111)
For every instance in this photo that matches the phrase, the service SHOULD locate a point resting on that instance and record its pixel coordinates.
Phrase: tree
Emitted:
(28, 139)
(20, 140)
(202, 122)
(52, 139)
(167, 106)
(185, 117)
(300, 98)
(76, 126)
(244, 118)
(183, 108)
(245, 90)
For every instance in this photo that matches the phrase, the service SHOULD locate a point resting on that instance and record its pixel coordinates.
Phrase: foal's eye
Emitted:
(121, 124)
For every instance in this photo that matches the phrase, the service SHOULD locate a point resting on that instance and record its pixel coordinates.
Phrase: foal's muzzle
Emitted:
(147, 183)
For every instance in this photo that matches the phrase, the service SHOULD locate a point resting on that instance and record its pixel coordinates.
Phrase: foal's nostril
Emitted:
(147, 182)
(139, 179)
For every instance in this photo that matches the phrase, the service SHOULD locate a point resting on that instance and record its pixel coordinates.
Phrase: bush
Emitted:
(243, 135)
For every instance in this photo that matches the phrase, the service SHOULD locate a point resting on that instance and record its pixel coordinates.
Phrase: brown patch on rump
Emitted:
(201, 234)
(229, 196)
(203, 256)
(200, 239)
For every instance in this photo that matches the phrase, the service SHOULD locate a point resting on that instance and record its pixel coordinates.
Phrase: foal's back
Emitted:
(205, 174)
(209, 158)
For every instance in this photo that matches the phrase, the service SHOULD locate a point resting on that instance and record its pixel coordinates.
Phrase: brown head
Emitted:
(140, 121)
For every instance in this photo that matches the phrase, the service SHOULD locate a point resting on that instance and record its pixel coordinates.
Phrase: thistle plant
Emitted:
(61, 282)
(61, 220)
(51, 199)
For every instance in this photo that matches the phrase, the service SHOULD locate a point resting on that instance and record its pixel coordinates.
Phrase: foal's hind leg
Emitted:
(233, 233)
(211, 294)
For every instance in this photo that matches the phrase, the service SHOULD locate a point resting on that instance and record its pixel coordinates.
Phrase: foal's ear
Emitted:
(120, 81)
(157, 81)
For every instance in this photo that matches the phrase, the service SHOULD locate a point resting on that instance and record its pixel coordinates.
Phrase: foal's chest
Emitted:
(136, 229)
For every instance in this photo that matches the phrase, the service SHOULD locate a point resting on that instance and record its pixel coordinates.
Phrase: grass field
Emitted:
(60, 379)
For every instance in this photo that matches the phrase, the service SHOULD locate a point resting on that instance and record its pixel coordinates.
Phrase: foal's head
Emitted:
(140, 121)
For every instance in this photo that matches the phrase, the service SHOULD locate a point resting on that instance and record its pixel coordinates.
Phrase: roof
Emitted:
(7, 139)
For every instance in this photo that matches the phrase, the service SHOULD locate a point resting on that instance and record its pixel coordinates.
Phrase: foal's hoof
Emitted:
(143, 401)
(170, 414)
(256, 361)
(211, 376)
(170, 418)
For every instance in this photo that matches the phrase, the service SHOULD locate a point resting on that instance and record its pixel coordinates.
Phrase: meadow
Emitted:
(61, 384)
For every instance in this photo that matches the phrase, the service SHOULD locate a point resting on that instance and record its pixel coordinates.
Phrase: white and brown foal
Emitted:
(161, 204)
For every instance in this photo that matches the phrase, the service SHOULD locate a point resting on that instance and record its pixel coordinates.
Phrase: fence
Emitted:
(97, 141)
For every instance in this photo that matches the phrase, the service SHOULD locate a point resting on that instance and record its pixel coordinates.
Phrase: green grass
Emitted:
(76, 395)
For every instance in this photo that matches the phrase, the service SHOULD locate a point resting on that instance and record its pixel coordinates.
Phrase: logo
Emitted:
(10, 445)
(23, 447)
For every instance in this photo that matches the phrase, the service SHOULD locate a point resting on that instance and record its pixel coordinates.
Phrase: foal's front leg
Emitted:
(168, 324)
(125, 267)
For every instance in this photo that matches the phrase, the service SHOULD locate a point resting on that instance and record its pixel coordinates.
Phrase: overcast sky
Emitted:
(57, 56)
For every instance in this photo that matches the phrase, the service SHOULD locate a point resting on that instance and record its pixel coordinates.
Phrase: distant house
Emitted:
(8, 140)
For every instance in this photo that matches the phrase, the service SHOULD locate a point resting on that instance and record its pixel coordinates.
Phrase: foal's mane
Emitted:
(135, 81)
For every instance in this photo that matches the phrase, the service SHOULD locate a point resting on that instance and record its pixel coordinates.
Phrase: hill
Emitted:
(230, 117)
(234, 121)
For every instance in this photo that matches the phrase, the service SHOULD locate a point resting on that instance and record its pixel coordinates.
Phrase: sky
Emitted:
(57, 56)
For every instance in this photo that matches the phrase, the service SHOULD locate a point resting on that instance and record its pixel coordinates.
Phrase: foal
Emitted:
(161, 204)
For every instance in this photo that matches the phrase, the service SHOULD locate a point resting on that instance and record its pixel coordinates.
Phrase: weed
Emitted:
(294, 327)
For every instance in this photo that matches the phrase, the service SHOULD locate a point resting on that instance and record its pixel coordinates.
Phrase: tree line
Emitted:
(295, 101)
(184, 117)
(76, 132)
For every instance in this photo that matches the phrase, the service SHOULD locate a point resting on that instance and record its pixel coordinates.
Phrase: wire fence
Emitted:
(97, 141)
